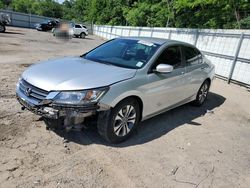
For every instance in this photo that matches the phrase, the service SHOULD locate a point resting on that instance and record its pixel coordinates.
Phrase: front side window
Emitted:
(170, 56)
(127, 53)
(192, 56)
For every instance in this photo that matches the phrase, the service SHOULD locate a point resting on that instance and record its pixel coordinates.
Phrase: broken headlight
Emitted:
(79, 97)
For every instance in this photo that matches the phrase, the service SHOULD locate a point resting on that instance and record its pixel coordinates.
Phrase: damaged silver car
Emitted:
(118, 84)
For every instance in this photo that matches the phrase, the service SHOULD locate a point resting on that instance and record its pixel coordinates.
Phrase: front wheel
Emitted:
(202, 94)
(118, 124)
(2, 28)
(53, 124)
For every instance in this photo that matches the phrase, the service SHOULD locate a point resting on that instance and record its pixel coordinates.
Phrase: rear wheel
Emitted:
(2, 28)
(202, 94)
(82, 35)
(120, 122)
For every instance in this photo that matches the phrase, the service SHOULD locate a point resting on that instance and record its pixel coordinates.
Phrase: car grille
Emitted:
(32, 91)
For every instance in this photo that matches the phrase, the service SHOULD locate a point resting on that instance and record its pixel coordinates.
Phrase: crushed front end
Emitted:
(66, 108)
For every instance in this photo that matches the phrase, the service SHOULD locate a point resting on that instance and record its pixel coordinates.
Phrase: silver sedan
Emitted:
(118, 84)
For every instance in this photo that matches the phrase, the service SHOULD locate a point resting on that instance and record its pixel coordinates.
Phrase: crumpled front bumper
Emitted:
(72, 114)
(56, 112)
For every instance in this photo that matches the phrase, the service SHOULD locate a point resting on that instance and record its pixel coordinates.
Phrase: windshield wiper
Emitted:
(98, 60)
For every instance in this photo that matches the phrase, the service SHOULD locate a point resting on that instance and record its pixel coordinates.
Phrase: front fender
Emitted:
(118, 92)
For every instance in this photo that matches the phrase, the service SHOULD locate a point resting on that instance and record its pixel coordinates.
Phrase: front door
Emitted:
(164, 90)
(77, 29)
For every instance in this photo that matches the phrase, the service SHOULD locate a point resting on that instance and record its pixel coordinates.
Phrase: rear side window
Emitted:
(78, 26)
(192, 56)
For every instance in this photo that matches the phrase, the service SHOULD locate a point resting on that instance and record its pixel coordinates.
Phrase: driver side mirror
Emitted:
(164, 68)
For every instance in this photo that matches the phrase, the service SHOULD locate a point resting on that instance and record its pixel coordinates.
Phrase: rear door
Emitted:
(194, 69)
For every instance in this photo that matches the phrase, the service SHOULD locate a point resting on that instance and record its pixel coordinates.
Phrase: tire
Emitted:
(2, 28)
(83, 35)
(119, 123)
(202, 94)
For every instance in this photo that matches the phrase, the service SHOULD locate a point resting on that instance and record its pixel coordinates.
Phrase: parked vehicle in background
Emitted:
(76, 30)
(4, 20)
(118, 84)
(47, 25)
(80, 30)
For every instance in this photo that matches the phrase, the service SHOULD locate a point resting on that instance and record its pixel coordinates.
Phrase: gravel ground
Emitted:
(186, 147)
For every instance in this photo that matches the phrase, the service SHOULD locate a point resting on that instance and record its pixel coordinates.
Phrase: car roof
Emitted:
(80, 25)
(159, 41)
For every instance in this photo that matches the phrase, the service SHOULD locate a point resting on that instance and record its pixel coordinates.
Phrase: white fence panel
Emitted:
(245, 49)
(241, 72)
(146, 32)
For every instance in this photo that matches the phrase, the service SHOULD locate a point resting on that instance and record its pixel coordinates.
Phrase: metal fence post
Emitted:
(111, 32)
(169, 34)
(129, 31)
(196, 36)
(152, 31)
(122, 32)
(29, 20)
(139, 31)
(235, 58)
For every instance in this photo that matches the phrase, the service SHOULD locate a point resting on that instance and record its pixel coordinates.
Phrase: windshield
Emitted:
(126, 53)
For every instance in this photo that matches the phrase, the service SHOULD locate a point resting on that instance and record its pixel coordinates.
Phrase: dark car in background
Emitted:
(47, 25)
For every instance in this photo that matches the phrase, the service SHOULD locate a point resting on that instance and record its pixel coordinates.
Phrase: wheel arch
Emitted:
(138, 99)
(83, 33)
(209, 81)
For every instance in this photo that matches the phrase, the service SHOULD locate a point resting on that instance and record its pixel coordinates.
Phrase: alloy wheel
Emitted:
(124, 120)
(203, 92)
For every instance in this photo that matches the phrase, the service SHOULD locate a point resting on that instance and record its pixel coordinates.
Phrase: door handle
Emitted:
(183, 72)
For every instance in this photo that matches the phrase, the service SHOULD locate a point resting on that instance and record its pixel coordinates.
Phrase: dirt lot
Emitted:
(186, 147)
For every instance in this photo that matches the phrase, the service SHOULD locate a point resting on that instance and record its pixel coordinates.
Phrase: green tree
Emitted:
(1, 4)
(24, 6)
(49, 8)
(69, 10)
(153, 13)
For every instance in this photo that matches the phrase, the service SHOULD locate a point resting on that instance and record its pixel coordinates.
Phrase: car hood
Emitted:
(74, 73)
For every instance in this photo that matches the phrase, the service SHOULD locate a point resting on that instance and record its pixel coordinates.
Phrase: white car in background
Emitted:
(80, 30)
(66, 30)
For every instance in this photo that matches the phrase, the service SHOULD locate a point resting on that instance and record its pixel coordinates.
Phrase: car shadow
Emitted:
(88, 38)
(152, 128)
(13, 33)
